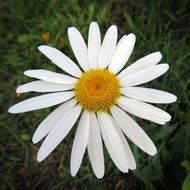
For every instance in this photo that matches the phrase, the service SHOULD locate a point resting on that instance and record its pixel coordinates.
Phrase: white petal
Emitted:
(49, 122)
(95, 149)
(130, 157)
(108, 47)
(160, 122)
(50, 76)
(80, 143)
(58, 133)
(113, 142)
(143, 110)
(40, 102)
(121, 40)
(148, 95)
(145, 75)
(122, 53)
(133, 131)
(61, 60)
(143, 63)
(43, 86)
(79, 47)
(94, 43)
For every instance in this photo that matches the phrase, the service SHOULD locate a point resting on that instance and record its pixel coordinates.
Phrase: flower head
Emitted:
(61, 41)
(45, 36)
(100, 93)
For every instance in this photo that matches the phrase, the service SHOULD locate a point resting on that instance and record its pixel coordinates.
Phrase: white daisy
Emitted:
(99, 93)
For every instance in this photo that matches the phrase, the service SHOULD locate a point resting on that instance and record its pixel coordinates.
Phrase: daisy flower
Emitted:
(99, 94)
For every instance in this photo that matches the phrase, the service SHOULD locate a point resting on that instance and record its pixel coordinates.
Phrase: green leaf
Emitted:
(129, 19)
(164, 132)
(150, 172)
(24, 38)
(186, 165)
(25, 137)
(186, 183)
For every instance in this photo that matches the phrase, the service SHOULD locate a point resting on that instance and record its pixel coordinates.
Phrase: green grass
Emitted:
(159, 26)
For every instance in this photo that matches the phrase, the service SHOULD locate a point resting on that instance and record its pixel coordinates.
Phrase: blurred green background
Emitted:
(160, 25)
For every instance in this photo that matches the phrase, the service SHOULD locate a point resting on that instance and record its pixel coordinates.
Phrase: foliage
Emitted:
(159, 26)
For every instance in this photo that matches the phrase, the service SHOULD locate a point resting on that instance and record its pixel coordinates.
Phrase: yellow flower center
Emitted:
(97, 90)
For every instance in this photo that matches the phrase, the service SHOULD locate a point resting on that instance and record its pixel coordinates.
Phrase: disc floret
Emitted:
(97, 90)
